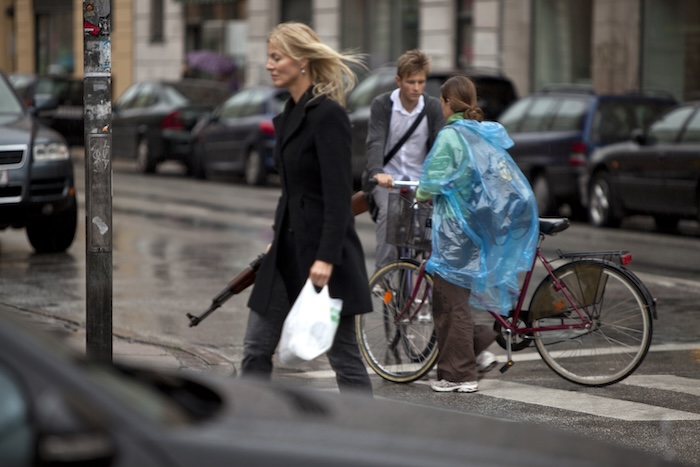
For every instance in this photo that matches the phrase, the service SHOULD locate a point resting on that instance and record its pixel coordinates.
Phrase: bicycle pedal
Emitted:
(506, 366)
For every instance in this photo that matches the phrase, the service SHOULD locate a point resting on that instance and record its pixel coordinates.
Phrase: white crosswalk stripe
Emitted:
(666, 383)
(581, 402)
(590, 404)
(586, 403)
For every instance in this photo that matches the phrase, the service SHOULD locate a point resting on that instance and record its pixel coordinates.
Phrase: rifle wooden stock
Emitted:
(238, 284)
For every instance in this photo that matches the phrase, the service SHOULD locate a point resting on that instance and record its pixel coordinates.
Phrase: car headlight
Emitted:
(51, 152)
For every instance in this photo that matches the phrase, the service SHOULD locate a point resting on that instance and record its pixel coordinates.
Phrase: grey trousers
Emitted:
(459, 339)
(263, 334)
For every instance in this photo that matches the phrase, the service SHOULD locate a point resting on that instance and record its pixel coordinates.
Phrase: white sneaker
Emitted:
(485, 362)
(449, 386)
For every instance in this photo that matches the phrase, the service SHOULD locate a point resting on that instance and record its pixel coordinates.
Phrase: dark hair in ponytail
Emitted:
(460, 93)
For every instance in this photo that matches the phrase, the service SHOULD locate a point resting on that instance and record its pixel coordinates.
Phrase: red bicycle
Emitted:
(590, 318)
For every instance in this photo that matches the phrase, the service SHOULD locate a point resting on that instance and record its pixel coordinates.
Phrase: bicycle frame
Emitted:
(511, 327)
(421, 273)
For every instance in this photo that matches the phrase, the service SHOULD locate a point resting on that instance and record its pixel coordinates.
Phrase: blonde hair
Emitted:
(329, 71)
(460, 94)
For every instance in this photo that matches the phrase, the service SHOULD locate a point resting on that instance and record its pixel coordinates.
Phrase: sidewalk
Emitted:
(129, 350)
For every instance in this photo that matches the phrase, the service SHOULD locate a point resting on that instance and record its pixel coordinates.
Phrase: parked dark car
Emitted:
(238, 137)
(495, 92)
(59, 408)
(37, 190)
(655, 173)
(556, 130)
(56, 100)
(152, 120)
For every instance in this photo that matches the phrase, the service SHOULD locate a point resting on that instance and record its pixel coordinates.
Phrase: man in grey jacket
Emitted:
(393, 115)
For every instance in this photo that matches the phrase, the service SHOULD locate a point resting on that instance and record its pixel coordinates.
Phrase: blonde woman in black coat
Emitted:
(314, 229)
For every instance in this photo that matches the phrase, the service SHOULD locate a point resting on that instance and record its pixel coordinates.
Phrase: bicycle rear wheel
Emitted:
(620, 330)
(398, 339)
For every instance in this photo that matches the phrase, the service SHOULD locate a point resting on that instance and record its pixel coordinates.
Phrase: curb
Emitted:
(190, 358)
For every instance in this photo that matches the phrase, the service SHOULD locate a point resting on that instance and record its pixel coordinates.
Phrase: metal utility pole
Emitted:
(97, 56)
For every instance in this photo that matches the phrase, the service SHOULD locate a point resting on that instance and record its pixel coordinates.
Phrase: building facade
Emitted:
(615, 45)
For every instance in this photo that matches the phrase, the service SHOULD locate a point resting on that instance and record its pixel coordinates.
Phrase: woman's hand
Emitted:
(385, 180)
(320, 273)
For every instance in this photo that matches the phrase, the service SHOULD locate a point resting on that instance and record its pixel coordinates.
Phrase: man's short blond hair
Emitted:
(412, 62)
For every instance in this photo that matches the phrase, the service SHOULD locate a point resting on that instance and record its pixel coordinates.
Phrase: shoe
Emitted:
(485, 362)
(449, 386)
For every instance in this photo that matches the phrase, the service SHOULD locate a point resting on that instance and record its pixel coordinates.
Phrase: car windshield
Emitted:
(9, 104)
(51, 86)
(204, 94)
(615, 119)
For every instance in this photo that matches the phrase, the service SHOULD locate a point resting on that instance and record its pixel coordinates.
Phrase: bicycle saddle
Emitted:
(552, 225)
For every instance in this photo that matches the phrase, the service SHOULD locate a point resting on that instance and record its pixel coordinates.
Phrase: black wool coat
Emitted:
(313, 157)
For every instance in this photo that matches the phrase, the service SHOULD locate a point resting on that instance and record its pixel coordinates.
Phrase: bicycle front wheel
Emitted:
(618, 335)
(398, 339)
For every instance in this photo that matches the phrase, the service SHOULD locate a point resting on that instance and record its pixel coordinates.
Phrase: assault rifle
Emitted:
(237, 285)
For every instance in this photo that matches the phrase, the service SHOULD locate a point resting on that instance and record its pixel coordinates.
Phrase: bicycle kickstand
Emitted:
(510, 362)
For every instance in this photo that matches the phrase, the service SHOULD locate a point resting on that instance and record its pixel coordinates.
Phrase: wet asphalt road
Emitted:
(178, 241)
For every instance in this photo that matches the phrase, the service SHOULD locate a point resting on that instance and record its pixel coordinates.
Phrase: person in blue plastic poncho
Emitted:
(485, 232)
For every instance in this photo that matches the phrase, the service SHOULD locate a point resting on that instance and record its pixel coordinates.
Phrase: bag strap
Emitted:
(407, 135)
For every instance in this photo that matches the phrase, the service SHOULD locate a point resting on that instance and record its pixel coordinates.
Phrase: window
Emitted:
(667, 128)
(384, 29)
(692, 131)
(147, 96)
(538, 115)
(569, 115)
(127, 100)
(296, 10)
(157, 21)
(256, 105)
(670, 40)
(513, 117)
(234, 107)
(465, 33)
(562, 42)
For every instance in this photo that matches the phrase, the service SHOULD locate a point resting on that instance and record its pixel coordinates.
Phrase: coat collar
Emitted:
(293, 115)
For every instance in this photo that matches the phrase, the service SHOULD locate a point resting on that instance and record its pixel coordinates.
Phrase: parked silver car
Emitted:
(37, 190)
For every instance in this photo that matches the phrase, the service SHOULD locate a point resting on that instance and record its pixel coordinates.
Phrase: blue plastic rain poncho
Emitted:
(485, 221)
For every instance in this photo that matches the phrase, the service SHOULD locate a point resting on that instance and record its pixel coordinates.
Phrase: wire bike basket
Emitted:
(409, 224)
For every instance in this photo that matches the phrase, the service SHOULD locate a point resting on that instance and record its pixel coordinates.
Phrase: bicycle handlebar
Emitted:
(396, 184)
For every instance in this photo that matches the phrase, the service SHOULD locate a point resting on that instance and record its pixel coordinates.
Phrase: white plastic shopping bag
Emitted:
(310, 326)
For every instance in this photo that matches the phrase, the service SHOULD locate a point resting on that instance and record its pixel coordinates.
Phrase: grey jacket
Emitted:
(378, 131)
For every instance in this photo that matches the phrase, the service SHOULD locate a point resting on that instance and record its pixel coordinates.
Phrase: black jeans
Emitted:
(263, 335)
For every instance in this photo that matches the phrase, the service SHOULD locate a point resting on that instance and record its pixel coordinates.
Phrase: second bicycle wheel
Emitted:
(397, 339)
(618, 337)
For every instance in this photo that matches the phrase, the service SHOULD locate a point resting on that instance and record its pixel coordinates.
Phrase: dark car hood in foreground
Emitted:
(300, 426)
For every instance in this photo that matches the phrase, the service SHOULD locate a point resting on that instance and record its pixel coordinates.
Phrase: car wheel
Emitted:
(603, 208)
(144, 161)
(54, 234)
(543, 195)
(254, 169)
